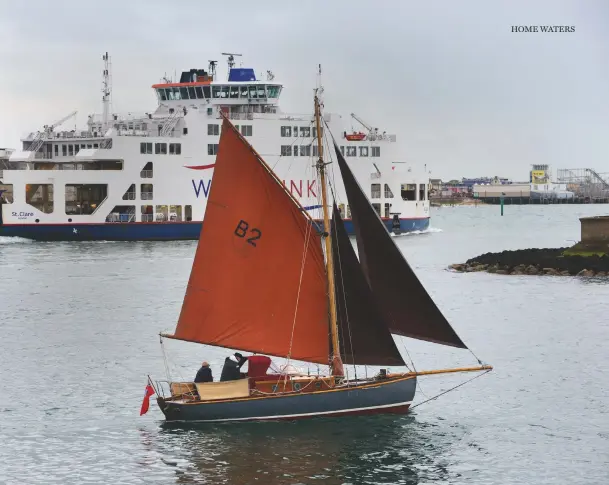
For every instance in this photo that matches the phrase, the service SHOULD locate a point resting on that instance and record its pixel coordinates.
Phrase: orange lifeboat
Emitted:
(355, 136)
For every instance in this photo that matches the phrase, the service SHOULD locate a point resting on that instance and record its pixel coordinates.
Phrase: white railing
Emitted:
(118, 217)
(146, 174)
(147, 218)
(146, 196)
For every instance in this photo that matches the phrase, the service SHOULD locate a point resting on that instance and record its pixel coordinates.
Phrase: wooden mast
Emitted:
(337, 365)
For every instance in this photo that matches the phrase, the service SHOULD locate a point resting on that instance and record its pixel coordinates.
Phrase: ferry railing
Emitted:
(146, 174)
(147, 218)
(146, 196)
(118, 217)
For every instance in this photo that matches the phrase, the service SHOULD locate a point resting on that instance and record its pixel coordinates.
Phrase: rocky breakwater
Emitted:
(553, 262)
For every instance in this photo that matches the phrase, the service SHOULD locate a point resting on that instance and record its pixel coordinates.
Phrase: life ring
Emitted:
(296, 386)
(318, 385)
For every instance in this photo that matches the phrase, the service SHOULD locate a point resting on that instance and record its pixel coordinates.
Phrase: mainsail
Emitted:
(408, 307)
(364, 334)
(258, 279)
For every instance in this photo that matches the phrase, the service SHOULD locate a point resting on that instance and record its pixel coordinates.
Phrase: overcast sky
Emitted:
(463, 93)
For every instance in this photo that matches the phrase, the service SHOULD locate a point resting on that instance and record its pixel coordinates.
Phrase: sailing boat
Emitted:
(261, 283)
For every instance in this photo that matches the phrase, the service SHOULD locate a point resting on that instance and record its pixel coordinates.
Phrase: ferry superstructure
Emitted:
(147, 177)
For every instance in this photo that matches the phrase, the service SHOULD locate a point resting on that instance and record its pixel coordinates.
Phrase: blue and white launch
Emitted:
(147, 176)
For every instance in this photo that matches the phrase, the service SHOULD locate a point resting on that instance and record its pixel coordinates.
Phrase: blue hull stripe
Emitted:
(144, 231)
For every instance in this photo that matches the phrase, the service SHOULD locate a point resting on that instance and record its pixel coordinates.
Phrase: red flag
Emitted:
(146, 401)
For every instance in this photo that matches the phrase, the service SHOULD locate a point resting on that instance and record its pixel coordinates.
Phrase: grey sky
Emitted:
(463, 93)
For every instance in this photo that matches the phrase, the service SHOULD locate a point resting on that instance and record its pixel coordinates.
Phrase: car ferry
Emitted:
(147, 176)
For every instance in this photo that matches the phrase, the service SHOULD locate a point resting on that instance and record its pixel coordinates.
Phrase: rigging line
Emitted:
(166, 364)
(451, 389)
(281, 156)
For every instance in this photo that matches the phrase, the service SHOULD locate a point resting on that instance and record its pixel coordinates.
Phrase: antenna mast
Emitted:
(106, 91)
(336, 364)
(231, 60)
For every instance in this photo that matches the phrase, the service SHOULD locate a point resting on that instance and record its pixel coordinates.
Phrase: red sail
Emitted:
(258, 279)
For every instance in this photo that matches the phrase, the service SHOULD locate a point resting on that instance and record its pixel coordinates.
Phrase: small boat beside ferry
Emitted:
(147, 176)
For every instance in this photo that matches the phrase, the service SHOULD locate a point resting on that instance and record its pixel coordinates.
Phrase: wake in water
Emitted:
(14, 240)
(415, 233)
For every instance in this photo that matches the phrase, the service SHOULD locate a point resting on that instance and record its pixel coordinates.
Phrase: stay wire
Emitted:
(449, 390)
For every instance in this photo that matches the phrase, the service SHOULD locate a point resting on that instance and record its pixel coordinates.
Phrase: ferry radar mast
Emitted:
(231, 60)
(106, 91)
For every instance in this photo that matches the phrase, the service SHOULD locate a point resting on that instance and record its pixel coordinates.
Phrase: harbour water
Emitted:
(79, 333)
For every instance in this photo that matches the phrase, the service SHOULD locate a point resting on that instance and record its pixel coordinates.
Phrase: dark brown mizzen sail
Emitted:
(408, 307)
(364, 334)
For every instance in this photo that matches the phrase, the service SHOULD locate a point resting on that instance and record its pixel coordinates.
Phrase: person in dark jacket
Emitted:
(232, 366)
(204, 374)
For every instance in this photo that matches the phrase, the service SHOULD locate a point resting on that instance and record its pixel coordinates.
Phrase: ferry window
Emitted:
(162, 95)
(213, 129)
(89, 145)
(388, 193)
(70, 150)
(273, 91)
(147, 213)
(84, 198)
(387, 210)
(176, 94)
(76, 149)
(144, 126)
(146, 172)
(160, 148)
(363, 151)
(130, 126)
(64, 150)
(253, 92)
(246, 130)
(56, 150)
(341, 209)
(261, 92)
(295, 131)
(146, 148)
(224, 92)
(286, 150)
(199, 92)
(314, 132)
(175, 148)
(184, 93)
(146, 191)
(188, 212)
(175, 213)
(244, 92)
(377, 208)
(234, 92)
(315, 150)
(83, 146)
(342, 151)
(376, 151)
(305, 150)
(421, 191)
(305, 131)
(96, 145)
(215, 90)
(212, 149)
(409, 191)
(206, 92)
(348, 211)
(352, 151)
(185, 131)
(375, 191)
(191, 93)
(286, 131)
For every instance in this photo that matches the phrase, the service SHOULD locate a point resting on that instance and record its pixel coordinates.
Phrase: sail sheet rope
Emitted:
(449, 390)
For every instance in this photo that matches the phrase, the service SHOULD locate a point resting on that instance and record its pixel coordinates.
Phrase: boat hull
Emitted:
(145, 231)
(391, 396)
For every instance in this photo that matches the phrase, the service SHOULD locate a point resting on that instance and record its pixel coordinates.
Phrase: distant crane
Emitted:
(41, 136)
(373, 133)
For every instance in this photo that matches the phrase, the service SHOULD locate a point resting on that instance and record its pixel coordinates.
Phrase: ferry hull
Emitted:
(393, 396)
(145, 231)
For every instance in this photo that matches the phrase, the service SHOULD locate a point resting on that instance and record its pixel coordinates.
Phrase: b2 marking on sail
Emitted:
(242, 229)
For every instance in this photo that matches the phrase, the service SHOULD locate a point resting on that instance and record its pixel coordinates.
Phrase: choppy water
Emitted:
(79, 333)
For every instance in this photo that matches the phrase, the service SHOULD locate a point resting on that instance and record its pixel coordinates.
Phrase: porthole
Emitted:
(297, 386)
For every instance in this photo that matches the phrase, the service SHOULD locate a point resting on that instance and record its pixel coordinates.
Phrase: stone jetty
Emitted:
(553, 262)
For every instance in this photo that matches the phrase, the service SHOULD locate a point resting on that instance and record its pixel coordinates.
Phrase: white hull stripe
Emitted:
(284, 416)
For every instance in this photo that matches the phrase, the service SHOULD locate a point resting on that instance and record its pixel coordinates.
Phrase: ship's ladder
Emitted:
(171, 122)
